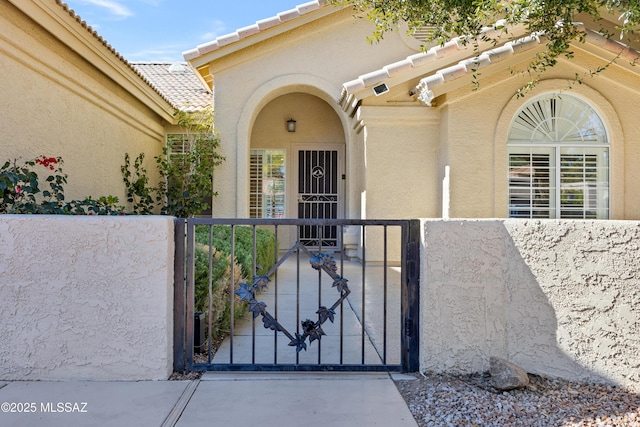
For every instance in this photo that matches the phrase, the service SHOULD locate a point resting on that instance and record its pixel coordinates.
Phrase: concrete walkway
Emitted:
(218, 399)
(297, 291)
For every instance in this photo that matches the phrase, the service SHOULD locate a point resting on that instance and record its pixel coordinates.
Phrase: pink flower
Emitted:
(47, 162)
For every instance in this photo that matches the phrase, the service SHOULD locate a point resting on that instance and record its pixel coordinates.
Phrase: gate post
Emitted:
(411, 298)
(179, 295)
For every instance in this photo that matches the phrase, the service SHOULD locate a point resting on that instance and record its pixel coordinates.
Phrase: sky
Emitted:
(160, 30)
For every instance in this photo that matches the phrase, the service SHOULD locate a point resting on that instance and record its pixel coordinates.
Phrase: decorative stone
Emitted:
(506, 375)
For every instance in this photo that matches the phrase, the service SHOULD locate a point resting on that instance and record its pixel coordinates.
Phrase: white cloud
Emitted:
(113, 7)
(219, 28)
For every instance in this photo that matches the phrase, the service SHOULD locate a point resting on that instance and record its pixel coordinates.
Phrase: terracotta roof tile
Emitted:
(177, 82)
(438, 75)
(263, 24)
(412, 64)
(471, 65)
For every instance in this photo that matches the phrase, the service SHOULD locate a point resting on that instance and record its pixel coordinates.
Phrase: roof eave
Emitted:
(451, 78)
(263, 30)
(56, 18)
(420, 64)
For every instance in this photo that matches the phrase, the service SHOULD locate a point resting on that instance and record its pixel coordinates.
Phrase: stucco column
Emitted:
(400, 163)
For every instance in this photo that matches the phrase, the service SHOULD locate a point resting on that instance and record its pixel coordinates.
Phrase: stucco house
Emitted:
(381, 130)
(386, 130)
(316, 122)
(66, 92)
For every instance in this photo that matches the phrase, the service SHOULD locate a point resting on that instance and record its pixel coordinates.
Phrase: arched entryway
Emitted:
(297, 163)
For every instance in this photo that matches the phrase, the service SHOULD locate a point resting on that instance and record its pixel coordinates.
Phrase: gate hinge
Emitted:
(408, 327)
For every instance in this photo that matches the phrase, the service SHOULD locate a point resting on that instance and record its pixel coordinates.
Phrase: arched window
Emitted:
(558, 160)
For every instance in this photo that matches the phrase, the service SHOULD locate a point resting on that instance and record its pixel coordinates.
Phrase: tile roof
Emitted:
(178, 82)
(469, 66)
(419, 64)
(101, 40)
(433, 64)
(250, 30)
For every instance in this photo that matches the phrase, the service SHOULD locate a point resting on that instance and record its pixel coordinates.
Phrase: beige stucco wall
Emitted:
(86, 298)
(556, 297)
(404, 159)
(401, 155)
(315, 59)
(478, 124)
(57, 103)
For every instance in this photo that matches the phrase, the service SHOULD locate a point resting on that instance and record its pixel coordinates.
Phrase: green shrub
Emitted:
(220, 292)
(243, 250)
(185, 167)
(221, 270)
(22, 191)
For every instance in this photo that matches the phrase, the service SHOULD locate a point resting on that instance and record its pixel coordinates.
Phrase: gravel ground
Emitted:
(470, 400)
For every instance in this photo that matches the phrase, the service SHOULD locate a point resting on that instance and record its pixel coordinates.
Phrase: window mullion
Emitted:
(557, 161)
(570, 134)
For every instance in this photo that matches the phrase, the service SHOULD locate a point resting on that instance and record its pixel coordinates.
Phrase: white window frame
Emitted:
(260, 185)
(554, 131)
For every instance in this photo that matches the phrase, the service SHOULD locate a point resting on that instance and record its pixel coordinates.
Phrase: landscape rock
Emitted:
(506, 375)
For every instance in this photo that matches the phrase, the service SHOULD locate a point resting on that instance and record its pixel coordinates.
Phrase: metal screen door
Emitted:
(319, 182)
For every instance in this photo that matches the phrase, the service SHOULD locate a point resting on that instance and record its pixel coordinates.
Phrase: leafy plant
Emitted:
(221, 292)
(243, 247)
(221, 270)
(185, 167)
(187, 173)
(105, 205)
(139, 193)
(23, 192)
(20, 186)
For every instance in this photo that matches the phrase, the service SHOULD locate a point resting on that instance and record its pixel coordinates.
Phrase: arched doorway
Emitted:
(298, 172)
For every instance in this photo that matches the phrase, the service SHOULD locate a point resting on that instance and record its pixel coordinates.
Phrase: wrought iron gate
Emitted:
(313, 309)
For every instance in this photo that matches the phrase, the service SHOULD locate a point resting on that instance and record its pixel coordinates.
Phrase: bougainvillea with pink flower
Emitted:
(23, 192)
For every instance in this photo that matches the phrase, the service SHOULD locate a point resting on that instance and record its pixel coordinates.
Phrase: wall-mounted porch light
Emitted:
(291, 125)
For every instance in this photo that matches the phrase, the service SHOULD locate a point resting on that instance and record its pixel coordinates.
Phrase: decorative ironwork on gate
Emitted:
(366, 320)
(312, 330)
